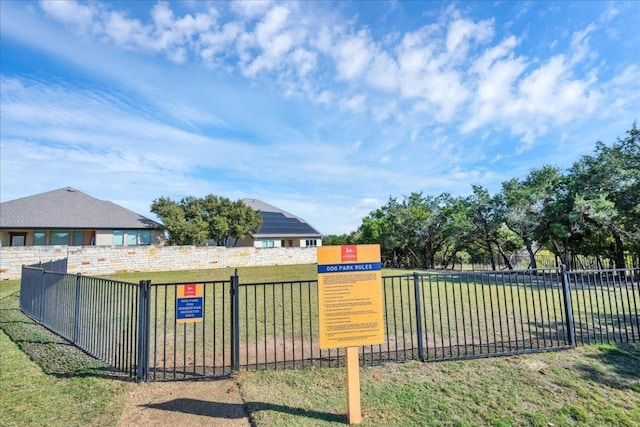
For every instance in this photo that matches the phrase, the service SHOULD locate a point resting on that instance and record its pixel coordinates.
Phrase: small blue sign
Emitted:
(189, 308)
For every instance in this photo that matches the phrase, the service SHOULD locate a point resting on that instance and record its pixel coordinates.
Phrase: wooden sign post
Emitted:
(350, 308)
(354, 413)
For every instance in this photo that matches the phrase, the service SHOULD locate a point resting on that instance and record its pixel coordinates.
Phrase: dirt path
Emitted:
(183, 403)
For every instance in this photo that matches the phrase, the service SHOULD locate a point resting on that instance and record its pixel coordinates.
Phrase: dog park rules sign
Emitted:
(350, 296)
(189, 303)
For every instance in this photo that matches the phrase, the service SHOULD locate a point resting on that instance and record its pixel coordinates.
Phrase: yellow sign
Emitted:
(350, 296)
(189, 303)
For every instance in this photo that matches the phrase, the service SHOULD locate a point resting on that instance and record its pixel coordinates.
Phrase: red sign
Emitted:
(349, 253)
(189, 290)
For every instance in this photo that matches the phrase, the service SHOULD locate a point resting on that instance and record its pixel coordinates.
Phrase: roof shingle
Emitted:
(68, 208)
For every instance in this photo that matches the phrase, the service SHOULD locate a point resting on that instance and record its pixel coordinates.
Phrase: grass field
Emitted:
(51, 383)
(588, 386)
(46, 382)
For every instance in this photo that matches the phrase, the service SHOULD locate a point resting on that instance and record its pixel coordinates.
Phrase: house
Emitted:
(280, 229)
(70, 217)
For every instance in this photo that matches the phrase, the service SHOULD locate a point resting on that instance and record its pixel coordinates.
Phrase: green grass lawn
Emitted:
(588, 386)
(44, 381)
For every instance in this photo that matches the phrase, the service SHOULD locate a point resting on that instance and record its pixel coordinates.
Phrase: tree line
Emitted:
(590, 209)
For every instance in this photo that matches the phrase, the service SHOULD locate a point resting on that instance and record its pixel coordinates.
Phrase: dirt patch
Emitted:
(176, 403)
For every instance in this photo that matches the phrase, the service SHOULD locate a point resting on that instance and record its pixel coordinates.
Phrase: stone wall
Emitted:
(99, 260)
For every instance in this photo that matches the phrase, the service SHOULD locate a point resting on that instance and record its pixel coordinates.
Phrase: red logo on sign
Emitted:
(349, 253)
(189, 290)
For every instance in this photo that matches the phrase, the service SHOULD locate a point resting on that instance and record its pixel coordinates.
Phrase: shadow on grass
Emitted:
(621, 366)
(54, 355)
(239, 410)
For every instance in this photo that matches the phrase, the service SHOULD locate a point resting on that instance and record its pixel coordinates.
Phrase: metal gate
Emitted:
(188, 350)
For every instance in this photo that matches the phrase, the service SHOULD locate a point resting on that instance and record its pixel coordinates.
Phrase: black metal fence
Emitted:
(101, 317)
(606, 305)
(522, 261)
(428, 316)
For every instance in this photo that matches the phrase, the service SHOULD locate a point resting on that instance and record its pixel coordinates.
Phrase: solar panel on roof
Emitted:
(278, 223)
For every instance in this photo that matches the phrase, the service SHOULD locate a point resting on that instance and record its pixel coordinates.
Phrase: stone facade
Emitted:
(99, 260)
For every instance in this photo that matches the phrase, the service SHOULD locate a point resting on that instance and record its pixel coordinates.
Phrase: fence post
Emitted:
(568, 310)
(416, 290)
(235, 322)
(42, 304)
(147, 330)
(142, 368)
(76, 311)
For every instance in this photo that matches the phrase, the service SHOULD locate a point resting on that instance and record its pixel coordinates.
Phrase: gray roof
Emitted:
(68, 208)
(279, 223)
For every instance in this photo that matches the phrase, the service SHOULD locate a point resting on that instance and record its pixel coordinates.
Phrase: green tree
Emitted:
(606, 191)
(457, 228)
(486, 219)
(393, 227)
(411, 232)
(524, 203)
(342, 239)
(181, 222)
(193, 221)
(432, 218)
(244, 221)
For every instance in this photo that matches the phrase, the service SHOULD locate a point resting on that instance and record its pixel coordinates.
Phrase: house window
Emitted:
(78, 238)
(18, 239)
(145, 237)
(59, 237)
(138, 237)
(118, 237)
(39, 238)
(282, 243)
(311, 242)
(132, 238)
(268, 243)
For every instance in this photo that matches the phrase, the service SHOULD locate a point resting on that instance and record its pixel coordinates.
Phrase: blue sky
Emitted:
(324, 109)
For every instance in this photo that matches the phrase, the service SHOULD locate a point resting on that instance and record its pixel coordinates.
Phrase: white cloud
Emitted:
(354, 103)
(304, 60)
(353, 55)
(609, 14)
(462, 31)
(271, 39)
(384, 73)
(215, 42)
(281, 85)
(447, 69)
(124, 31)
(251, 9)
(623, 91)
(72, 12)
(162, 15)
(580, 45)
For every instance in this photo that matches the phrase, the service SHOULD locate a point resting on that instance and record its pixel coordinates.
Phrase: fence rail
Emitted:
(428, 316)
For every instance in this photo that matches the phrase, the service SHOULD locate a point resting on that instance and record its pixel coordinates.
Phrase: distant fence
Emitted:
(523, 261)
(428, 316)
(58, 265)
